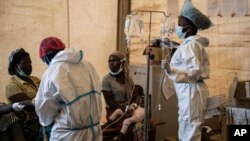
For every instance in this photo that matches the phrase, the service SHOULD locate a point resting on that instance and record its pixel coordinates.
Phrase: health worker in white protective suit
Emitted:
(69, 94)
(188, 68)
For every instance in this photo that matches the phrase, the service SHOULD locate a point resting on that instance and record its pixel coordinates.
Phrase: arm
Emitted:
(109, 98)
(17, 106)
(4, 108)
(47, 108)
(109, 95)
(28, 105)
(14, 93)
(18, 97)
(186, 66)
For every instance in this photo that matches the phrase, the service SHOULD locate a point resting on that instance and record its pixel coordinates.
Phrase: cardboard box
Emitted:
(242, 94)
(233, 116)
(158, 54)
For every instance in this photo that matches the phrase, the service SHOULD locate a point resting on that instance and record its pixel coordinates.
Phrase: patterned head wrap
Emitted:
(49, 45)
(118, 55)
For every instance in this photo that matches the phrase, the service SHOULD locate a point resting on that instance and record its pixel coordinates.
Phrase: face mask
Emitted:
(179, 32)
(47, 60)
(117, 72)
(21, 73)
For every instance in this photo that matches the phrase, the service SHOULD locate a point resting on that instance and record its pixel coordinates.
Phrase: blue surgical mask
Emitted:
(117, 72)
(179, 31)
(21, 73)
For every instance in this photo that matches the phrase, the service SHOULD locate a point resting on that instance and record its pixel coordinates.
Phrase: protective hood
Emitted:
(68, 55)
(201, 40)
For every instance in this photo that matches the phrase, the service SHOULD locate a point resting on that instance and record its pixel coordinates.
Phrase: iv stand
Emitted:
(149, 57)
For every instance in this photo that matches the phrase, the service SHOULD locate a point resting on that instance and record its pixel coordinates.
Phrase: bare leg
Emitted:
(113, 116)
(126, 124)
(116, 113)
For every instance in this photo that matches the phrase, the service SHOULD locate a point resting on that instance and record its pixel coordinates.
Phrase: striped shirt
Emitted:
(6, 120)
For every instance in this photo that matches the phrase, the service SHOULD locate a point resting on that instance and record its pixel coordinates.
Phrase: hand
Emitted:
(165, 65)
(26, 103)
(17, 106)
(132, 107)
(2, 103)
(29, 106)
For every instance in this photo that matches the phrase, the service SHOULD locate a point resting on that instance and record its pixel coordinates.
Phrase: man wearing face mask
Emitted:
(22, 86)
(69, 94)
(188, 68)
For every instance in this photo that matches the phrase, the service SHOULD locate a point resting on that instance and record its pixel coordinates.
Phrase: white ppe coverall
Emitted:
(189, 66)
(69, 97)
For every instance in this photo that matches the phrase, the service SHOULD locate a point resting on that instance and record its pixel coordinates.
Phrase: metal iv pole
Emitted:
(149, 57)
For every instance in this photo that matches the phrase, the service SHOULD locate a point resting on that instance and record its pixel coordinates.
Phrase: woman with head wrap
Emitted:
(23, 86)
(117, 85)
(188, 68)
(69, 94)
(117, 88)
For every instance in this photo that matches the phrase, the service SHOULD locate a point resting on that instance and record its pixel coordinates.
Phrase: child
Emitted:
(134, 113)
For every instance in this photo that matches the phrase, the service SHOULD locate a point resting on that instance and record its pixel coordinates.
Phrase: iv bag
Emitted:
(167, 87)
(163, 28)
(127, 27)
(139, 28)
(167, 27)
(133, 27)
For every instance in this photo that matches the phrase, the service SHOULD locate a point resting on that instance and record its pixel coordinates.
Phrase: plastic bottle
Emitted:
(232, 89)
(127, 27)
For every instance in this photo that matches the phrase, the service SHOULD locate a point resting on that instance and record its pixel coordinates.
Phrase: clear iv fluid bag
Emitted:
(167, 87)
(163, 29)
(140, 28)
(127, 26)
(133, 27)
(167, 27)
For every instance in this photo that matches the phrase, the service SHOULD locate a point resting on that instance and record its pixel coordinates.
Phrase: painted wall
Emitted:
(89, 25)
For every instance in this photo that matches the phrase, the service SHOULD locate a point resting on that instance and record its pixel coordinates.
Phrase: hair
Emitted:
(139, 90)
(15, 58)
(192, 25)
